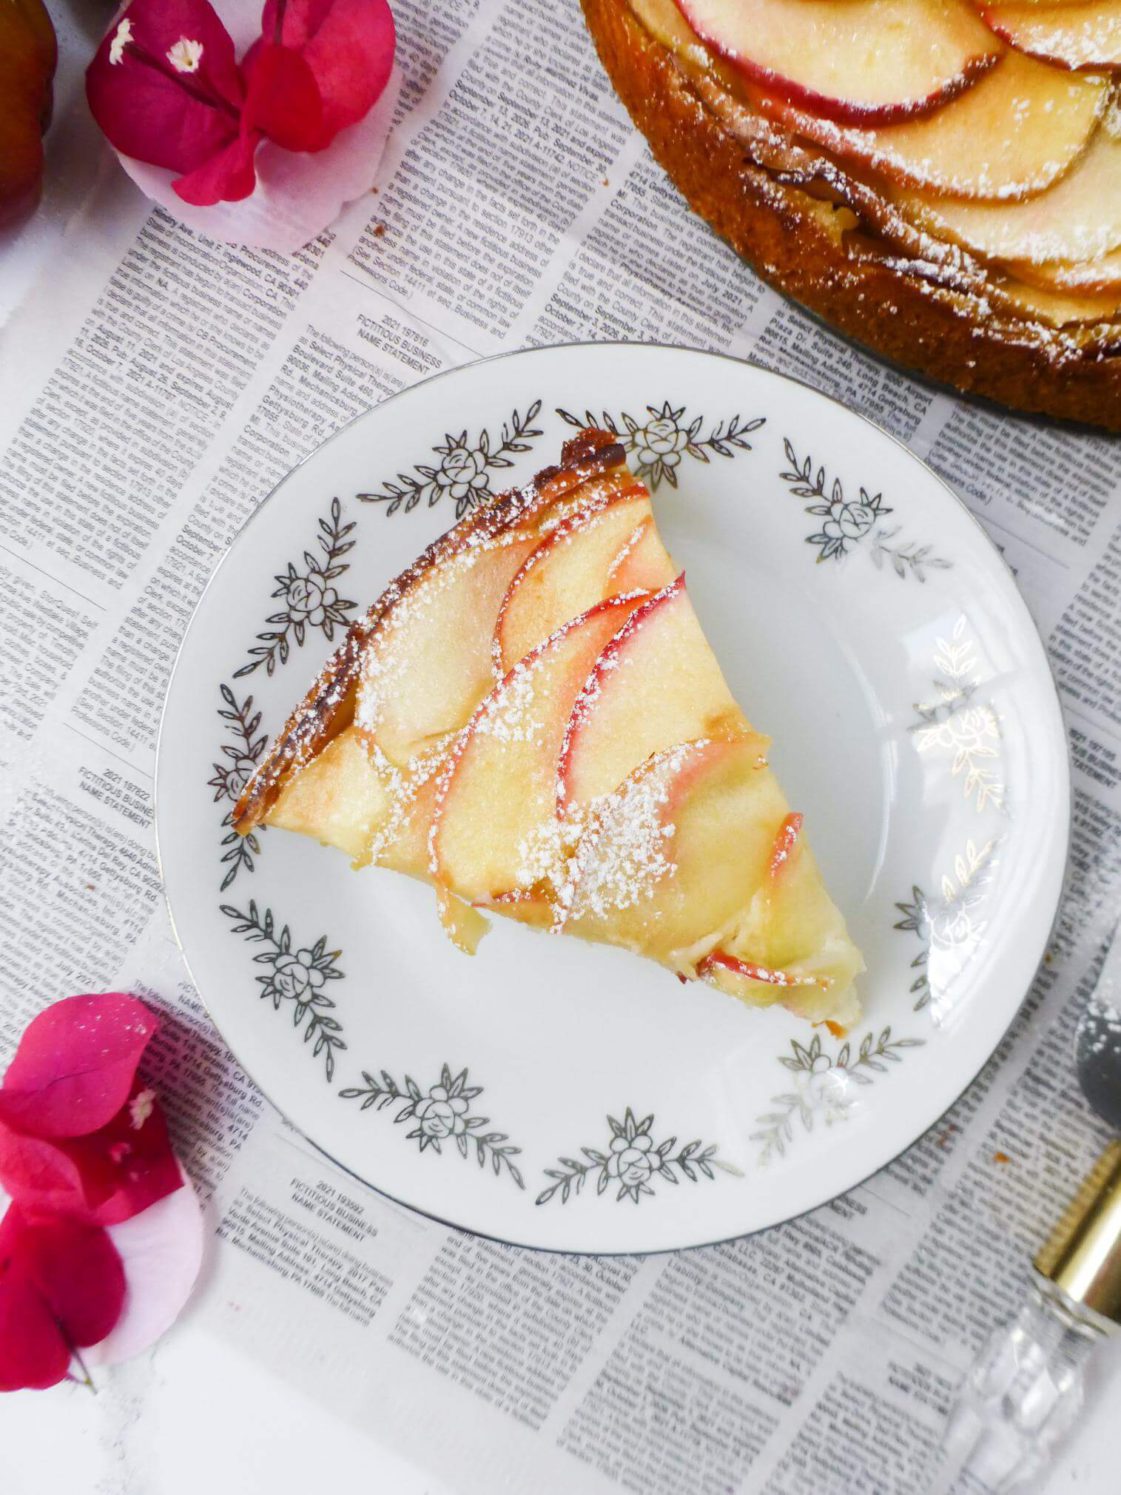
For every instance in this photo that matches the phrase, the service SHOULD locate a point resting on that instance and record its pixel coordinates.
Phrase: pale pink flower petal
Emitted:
(297, 196)
(162, 1251)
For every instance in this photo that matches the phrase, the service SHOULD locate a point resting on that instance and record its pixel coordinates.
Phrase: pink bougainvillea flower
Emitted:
(103, 1178)
(101, 1238)
(347, 46)
(165, 85)
(166, 89)
(62, 1286)
(80, 1135)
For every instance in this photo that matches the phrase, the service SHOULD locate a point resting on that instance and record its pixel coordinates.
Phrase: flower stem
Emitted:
(85, 1379)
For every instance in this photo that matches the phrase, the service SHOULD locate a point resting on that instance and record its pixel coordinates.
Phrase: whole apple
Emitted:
(28, 55)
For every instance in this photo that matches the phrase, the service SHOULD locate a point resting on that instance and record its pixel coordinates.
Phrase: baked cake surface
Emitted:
(939, 180)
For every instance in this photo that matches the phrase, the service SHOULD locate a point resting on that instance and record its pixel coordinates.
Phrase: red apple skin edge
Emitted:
(602, 664)
(555, 538)
(747, 968)
(844, 111)
(609, 604)
(991, 18)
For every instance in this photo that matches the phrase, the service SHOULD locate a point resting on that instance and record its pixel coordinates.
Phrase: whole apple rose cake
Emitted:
(940, 179)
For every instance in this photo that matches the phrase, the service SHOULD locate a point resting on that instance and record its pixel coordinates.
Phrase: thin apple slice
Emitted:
(566, 574)
(671, 856)
(656, 683)
(792, 945)
(524, 905)
(1079, 218)
(1017, 130)
(429, 660)
(350, 796)
(1062, 308)
(643, 564)
(1077, 35)
(339, 798)
(1090, 276)
(859, 61)
(495, 828)
(966, 148)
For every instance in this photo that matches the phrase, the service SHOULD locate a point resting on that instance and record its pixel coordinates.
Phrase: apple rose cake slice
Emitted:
(531, 719)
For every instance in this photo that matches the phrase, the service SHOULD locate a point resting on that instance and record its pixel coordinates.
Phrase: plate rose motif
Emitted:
(633, 1163)
(465, 469)
(846, 522)
(657, 445)
(443, 1113)
(309, 596)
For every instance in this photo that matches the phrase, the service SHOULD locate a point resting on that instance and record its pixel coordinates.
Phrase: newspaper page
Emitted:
(155, 386)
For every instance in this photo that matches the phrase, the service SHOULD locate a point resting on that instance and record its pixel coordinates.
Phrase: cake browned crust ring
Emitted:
(957, 209)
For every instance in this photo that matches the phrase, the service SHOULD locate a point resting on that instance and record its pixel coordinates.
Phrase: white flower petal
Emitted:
(185, 55)
(121, 38)
(141, 1107)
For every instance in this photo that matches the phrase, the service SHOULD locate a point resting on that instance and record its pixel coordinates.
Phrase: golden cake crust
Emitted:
(759, 193)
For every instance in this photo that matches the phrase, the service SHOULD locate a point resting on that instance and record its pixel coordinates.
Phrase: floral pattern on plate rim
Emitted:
(464, 470)
(633, 1162)
(443, 1113)
(297, 976)
(823, 1087)
(850, 522)
(309, 594)
(230, 777)
(948, 921)
(659, 443)
(958, 724)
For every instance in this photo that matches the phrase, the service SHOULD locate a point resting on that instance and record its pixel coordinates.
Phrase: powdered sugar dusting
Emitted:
(402, 788)
(392, 652)
(544, 855)
(626, 850)
(511, 713)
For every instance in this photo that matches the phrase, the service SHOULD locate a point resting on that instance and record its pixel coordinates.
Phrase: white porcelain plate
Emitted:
(563, 1095)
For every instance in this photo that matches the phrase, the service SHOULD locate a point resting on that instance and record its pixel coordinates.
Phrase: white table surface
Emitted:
(196, 1416)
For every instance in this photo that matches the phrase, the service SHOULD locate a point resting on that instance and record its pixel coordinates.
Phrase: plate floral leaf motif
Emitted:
(308, 595)
(235, 765)
(443, 1114)
(632, 1163)
(823, 1086)
(950, 921)
(659, 442)
(464, 470)
(850, 522)
(296, 975)
(956, 722)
